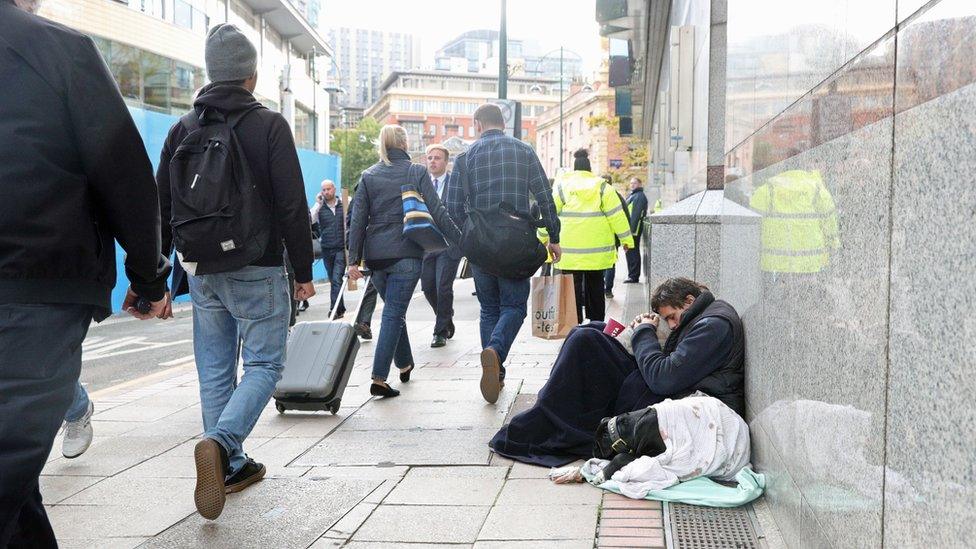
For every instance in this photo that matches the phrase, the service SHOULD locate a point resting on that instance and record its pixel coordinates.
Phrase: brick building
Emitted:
(434, 106)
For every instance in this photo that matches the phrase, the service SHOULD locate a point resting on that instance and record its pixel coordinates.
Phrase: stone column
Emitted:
(717, 53)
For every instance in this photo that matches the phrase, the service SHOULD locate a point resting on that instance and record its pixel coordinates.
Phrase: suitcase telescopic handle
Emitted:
(342, 292)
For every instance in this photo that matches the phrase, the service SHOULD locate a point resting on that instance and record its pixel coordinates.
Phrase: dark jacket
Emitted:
(637, 203)
(706, 352)
(74, 174)
(376, 230)
(332, 227)
(270, 152)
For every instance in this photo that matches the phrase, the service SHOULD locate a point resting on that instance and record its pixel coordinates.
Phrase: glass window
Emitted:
(304, 128)
(156, 71)
(183, 14)
(570, 132)
(433, 129)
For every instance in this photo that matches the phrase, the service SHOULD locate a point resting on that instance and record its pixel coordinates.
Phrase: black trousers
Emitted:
(634, 260)
(40, 359)
(437, 282)
(589, 294)
(369, 305)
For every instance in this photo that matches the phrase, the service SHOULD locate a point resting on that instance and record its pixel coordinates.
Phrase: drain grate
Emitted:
(695, 527)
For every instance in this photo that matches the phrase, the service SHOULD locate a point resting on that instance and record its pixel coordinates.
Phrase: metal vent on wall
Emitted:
(693, 527)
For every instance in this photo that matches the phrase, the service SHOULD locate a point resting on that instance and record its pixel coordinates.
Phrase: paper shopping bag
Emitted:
(553, 306)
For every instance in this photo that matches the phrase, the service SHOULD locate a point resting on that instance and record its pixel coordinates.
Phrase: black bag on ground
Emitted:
(500, 240)
(219, 218)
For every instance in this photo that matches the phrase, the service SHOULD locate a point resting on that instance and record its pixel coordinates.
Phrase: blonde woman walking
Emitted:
(376, 238)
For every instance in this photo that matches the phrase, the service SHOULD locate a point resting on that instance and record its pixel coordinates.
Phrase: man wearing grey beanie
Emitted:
(254, 300)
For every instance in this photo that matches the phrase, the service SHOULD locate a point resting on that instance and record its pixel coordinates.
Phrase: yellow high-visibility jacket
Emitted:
(591, 216)
(799, 224)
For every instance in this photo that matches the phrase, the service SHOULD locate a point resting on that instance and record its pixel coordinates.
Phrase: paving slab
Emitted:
(546, 492)
(375, 545)
(537, 544)
(423, 524)
(417, 447)
(56, 489)
(105, 543)
(374, 473)
(109, 456)
(426, 415)
(449, 486)
(540, 522)
(280, 513)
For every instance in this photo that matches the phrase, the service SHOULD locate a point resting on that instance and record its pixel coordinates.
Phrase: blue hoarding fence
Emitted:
(154, 127)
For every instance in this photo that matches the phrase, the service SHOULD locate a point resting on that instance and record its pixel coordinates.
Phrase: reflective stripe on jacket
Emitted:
(799, 225)
(591, 216)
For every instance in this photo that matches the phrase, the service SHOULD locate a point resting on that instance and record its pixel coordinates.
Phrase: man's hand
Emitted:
(155, 307)
(304, 291)
(354, 272)
(647, 318)
(168, 309)
(556, 251)
(626, 247)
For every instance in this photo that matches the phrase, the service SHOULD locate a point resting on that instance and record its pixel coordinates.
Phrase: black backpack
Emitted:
(220, 219)
(500, 240)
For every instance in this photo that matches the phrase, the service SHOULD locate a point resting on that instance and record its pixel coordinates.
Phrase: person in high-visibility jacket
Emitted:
(799, 224)
(591, 216)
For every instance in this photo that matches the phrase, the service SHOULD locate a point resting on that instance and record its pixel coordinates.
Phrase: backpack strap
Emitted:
(192, 121)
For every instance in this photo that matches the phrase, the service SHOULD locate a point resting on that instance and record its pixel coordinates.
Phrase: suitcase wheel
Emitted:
(280, 407)
(334, 407)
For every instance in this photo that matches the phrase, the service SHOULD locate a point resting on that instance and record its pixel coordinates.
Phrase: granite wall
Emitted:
(856, 119)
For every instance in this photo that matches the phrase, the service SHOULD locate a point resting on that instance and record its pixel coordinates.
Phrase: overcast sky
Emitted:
(551, 23)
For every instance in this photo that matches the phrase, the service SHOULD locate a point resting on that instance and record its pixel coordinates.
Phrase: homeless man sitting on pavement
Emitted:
(595, 375)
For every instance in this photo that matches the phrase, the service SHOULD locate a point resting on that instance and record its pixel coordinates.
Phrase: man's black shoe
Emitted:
(363, 331)
(303, 306)
(629, 281)
(248, 475)
(439, 341)
(450, 330)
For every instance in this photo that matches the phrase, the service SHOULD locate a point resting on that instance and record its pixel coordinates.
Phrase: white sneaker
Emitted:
(78, 435)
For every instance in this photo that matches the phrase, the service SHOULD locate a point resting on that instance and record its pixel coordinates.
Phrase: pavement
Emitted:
(414, 471)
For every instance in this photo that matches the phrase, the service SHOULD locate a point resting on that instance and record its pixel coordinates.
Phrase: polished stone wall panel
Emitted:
(816, 342)
(931, 470)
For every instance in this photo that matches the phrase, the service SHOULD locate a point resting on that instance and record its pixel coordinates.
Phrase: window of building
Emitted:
(433, 129)
(304, 128)
(417, 105)
(570, 132)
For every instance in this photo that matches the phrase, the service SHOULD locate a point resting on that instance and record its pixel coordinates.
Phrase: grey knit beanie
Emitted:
(230, 56)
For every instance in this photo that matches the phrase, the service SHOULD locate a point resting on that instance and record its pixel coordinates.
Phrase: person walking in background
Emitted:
(332, 237)
(440, 268)
(500, 168)
(75, 178)
(637, 203)
(234, 297)
(376, 237)
(363, 322)
(610, 275)
(592, 216)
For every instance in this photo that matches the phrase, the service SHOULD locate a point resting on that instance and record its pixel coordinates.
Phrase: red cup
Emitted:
(613, 328)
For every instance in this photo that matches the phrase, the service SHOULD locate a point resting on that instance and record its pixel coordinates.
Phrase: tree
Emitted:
(357, 147)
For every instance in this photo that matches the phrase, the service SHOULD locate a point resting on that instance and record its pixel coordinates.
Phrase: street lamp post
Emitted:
(538, 63)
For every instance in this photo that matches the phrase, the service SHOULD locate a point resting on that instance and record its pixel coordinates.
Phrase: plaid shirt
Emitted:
(501, 169)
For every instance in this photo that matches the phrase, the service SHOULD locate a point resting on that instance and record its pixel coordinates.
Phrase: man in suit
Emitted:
(440, 268)
(637, 204)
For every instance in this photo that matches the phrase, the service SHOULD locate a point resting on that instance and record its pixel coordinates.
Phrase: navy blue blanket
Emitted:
(593, 378)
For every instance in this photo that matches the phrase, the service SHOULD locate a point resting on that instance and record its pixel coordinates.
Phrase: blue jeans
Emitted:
(335, 268)
(608, 277)
(79, 406)
(252, 304)
(503, 309)
(395, 285)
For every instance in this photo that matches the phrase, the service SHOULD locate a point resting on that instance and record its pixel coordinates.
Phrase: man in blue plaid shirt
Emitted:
(500, 169)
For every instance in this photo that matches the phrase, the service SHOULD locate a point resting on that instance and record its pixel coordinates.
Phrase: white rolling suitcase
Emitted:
(319, 360)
